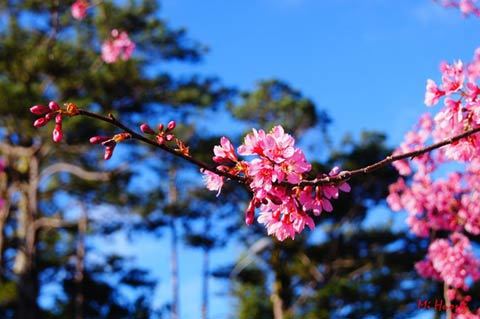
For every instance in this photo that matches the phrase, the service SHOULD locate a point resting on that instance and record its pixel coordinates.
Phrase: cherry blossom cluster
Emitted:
(118, 47)
(449, 204)
(467, 7)
(274, 176)
(53, 111)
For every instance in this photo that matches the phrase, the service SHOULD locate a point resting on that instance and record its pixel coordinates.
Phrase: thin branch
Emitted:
(328, 180)
(18, 150)
(74, 170)
(112, 120)
(448, 303)
(52, 222)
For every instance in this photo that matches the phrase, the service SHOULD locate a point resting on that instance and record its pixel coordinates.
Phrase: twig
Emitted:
(328, 180)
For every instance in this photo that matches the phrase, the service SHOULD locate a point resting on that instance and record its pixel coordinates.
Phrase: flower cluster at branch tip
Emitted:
(119, 46)
(53, 111)
(79, 9)
(165, 134)
(437, 205)
(274, 176)
(467, 7)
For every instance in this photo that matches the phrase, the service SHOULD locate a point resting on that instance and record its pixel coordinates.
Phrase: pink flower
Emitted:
(278, 145)
(284, 209)
(454, 261)
(225, 152)
(433, 93)
(467, 7)
(79, 9)
(453, 76)
(285, 220)
(213, 181)
(253, 143)
(293, 168)
(118, 47)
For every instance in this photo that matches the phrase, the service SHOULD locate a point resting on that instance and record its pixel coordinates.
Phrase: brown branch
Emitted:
(74, 170)
(448, 303)
(112, 120)
(18, 150)
(52, 222)
(328, 180)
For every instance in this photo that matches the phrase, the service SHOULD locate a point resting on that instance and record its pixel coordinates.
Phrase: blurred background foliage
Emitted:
(58, 196)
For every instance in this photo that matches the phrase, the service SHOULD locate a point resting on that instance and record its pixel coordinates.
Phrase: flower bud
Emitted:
(39, 109)
(146, 129)
(108, 152)
(169, 137)
(160, 127)
(171, 125)
(98, 139)
(50, 116)
(40, 122)
(275, 200)
(53, 106)
(250, 213)
(58, 119)
(57, 134)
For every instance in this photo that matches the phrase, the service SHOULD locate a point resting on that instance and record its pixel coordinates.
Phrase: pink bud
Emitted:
(275, 200)
(98, 139)
(53, 106)
(108, 152)
(171, 125)
(39, 109)
(146, 129)
(50, 116)
(40, 122)
(169, 137)
(57, 133)
(58, 119)
(160, 139)
(160, 127)
(250, 213)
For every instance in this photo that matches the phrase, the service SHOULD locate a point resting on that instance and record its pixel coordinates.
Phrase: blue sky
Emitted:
(364, 61)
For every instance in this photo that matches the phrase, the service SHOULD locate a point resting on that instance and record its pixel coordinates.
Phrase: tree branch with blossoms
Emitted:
(446, 210)
(276, 177)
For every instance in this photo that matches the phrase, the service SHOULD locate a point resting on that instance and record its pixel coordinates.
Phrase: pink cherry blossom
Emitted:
(451, 261)
(225, 152)
(253, 143)
(433, 93)
(118, 47)
(274, 175)
(213, 181)
(79, 9)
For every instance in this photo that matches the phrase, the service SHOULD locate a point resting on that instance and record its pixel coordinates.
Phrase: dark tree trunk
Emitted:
(281, 295)
(80, 263)
(205, 272)
(172, 194)
(25, 262)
